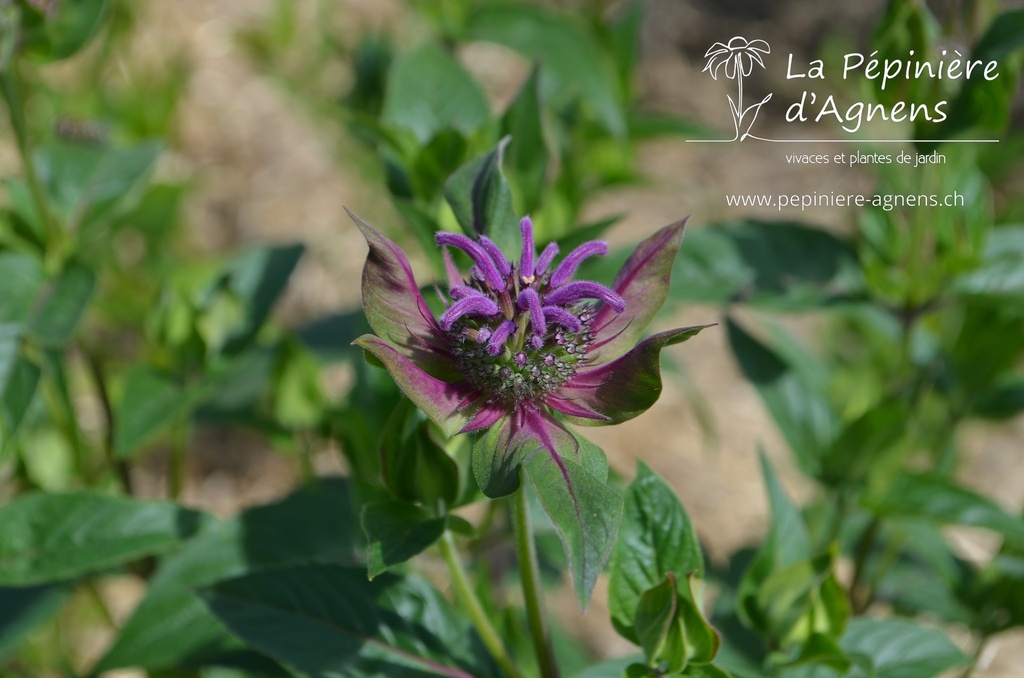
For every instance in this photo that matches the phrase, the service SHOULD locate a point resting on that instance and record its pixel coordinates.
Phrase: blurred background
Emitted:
(253, 123)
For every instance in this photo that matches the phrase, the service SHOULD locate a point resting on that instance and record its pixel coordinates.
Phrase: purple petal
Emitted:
(463, 291)
(559, 315)
(496, 256)
(643, 282)
(498, 337)
(488, 270)
(568, 267)
(479, 305)
(447, 404)
(526, 258)
(528, 300)
(580, 290)
(625, 387)
(394, 306)
(546, 257)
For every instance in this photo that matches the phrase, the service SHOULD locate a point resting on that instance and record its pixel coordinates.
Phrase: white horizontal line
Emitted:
(850, 141)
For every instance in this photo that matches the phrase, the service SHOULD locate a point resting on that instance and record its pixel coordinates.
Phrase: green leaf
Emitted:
(584, 510)
(656, 538)
(527, 153)
(572, 59)
(481, 199)
(1004, 35)
(429, 92)
(396, 532)
(171, 627)
(48, 537)
(414, 465)
(64, 30)
(435, 162)
(655, 617)
(999, 276)
(17, 388)
(23, 609)
(256, 279)
(327, 620)
(609, 667)
(796, 402)
(928, 496)
(890, 648)
(61, 304)
(777, 265)
(1004, 400)
(23, 276)
(88, 183)
(149, 403)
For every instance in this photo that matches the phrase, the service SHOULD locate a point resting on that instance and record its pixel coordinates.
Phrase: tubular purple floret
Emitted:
(480, 305)
(486, 266)
(529, 301)
(526, 259)
(496, 256)
(462, 291)
(557, 314)
(483, 335)
(568, 267)
(498, 337)
(580, 290)
(546, 257)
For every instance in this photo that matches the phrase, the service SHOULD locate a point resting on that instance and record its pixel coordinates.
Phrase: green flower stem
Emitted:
(474, 608)
(530, 573)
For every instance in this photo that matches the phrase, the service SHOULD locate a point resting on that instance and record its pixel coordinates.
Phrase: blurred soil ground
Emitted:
(266, 171)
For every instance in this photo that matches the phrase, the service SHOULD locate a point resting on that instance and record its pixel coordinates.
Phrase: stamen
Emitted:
(546, 257)
(580, 290)
(529, 301)
(501, 333)
(487, 268)
(571, 262)
(559, 315)
(526, 259)
(480, 305)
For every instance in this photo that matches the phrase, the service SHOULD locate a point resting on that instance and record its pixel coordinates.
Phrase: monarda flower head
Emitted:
(521, 345)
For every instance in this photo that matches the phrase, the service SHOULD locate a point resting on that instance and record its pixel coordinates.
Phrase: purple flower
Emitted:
(519, 347)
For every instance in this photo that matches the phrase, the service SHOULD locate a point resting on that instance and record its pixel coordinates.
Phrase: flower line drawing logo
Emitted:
(736, 59)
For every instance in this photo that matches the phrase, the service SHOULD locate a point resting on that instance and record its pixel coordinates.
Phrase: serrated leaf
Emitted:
(327, 621)
(50, 537)
(585, 512)
(396, 532)
(481, 199)
(656, 538)
(171, 627)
